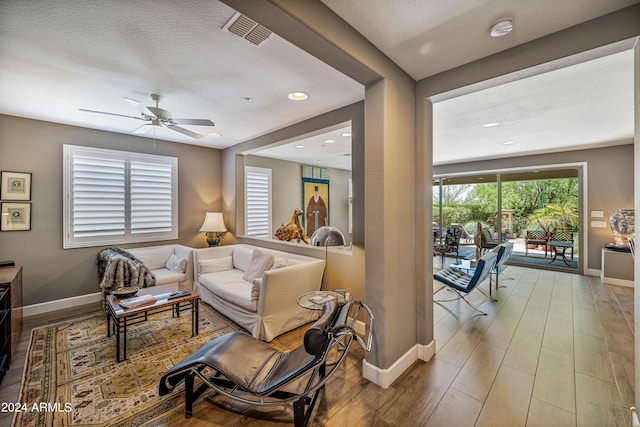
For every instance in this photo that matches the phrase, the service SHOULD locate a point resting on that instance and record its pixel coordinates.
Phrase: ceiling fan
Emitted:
(159, 117)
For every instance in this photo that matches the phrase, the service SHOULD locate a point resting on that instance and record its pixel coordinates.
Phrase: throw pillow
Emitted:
(215, 265)
(282, 262)
(255, 289)
(260, 261)
(176, 264)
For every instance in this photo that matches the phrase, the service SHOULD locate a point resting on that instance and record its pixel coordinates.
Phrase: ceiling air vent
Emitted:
(248, 29)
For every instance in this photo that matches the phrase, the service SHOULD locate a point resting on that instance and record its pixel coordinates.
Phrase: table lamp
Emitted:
(327, 236)
(214, 227)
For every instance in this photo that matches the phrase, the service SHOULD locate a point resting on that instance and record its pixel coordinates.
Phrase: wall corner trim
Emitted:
(385, 377)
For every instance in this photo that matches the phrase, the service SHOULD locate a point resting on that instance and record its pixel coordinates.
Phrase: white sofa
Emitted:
(155, 259)
(273, 308)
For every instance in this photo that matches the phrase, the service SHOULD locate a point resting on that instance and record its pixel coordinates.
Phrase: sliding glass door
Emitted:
(537, 210)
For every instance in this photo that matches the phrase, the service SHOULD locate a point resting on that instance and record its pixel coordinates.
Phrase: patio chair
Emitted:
(450, 244)
(564, 236)
(503, 253)
(535, 237)
(487, 241)
(462, 284)
(250, 371)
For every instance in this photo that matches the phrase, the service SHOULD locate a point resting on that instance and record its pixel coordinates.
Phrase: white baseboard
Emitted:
(618, 282)
(426, 352)
(593, 272)
(385, 377)
(610, 280)
(46, 307)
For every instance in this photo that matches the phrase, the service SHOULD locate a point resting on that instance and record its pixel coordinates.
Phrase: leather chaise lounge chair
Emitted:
(246, 369)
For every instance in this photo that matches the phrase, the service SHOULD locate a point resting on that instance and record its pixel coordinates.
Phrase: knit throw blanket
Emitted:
(117, 268)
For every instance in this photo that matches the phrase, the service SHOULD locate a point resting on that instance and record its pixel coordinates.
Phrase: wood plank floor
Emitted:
(556, 349)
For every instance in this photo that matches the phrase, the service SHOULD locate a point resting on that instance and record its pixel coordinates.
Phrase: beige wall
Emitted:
(609, 187)
(387, 163)
(52, 273)
(286, 179)
(346, 269)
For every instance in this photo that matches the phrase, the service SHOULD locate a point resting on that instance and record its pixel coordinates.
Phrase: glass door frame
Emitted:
(583, 249)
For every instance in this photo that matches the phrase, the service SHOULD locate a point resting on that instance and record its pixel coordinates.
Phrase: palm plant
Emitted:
(554, 217)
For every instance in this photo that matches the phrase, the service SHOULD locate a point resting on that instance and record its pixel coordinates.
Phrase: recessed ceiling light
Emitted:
(490, 124)
(215, 134)
(319, 161)
(299, 146)
(298, 96)
(346, 134)
(329, 141)
(501, 28)
(247, 98)
(509, 142)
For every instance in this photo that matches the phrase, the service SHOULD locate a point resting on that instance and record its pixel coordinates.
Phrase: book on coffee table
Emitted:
(138, 301)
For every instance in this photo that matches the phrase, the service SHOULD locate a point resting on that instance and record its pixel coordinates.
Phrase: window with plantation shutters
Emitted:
(115, 197)
(257, 201)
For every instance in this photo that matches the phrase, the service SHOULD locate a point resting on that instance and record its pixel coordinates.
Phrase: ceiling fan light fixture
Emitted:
(501, 28)
(298, 96)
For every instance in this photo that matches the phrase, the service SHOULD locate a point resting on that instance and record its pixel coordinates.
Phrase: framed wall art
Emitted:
(15, 185)
(315, 203)
(15, 216)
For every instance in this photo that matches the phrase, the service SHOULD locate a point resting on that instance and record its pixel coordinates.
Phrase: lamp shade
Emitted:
(327, 236)
(213, 221)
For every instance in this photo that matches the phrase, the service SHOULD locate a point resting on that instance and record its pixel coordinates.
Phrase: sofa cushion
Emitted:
(215, 265)
(165, 276)
(255, 289)
(242, 257)
(279, 263)
(229, 286)
(260, 261)
(176, 264)
(153, 257)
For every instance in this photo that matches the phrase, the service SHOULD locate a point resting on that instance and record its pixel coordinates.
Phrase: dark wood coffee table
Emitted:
(120, 318)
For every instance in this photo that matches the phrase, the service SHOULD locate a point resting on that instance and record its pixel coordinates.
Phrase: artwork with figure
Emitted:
(315, 194)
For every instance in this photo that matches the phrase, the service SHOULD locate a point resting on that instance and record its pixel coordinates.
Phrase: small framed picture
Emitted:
(15, 186)
(15, 217)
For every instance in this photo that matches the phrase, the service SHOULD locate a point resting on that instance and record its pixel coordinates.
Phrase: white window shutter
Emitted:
(115, 197)
(151, 197)
(258, 201)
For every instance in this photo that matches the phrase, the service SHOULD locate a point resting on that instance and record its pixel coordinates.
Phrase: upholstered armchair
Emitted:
(450, 244)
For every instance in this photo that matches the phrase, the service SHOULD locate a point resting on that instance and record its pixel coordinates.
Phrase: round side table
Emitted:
(315, 300)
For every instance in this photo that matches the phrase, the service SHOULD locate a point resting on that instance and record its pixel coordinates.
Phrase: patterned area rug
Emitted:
(72, 379)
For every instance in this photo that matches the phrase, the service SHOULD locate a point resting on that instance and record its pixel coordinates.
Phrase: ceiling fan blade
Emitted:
(194, 122)
(140, 107)
(110, 114)
(144, 128)
(185, 131)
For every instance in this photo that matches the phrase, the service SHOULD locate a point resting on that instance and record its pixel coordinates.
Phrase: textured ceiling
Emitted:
(61, 55)
(588, 104)
(58, 56)
(426, 37)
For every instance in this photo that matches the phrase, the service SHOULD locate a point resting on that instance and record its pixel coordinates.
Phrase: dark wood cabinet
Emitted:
(10, 314)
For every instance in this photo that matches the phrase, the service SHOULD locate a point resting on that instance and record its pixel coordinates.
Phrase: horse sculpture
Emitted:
(293, 229)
